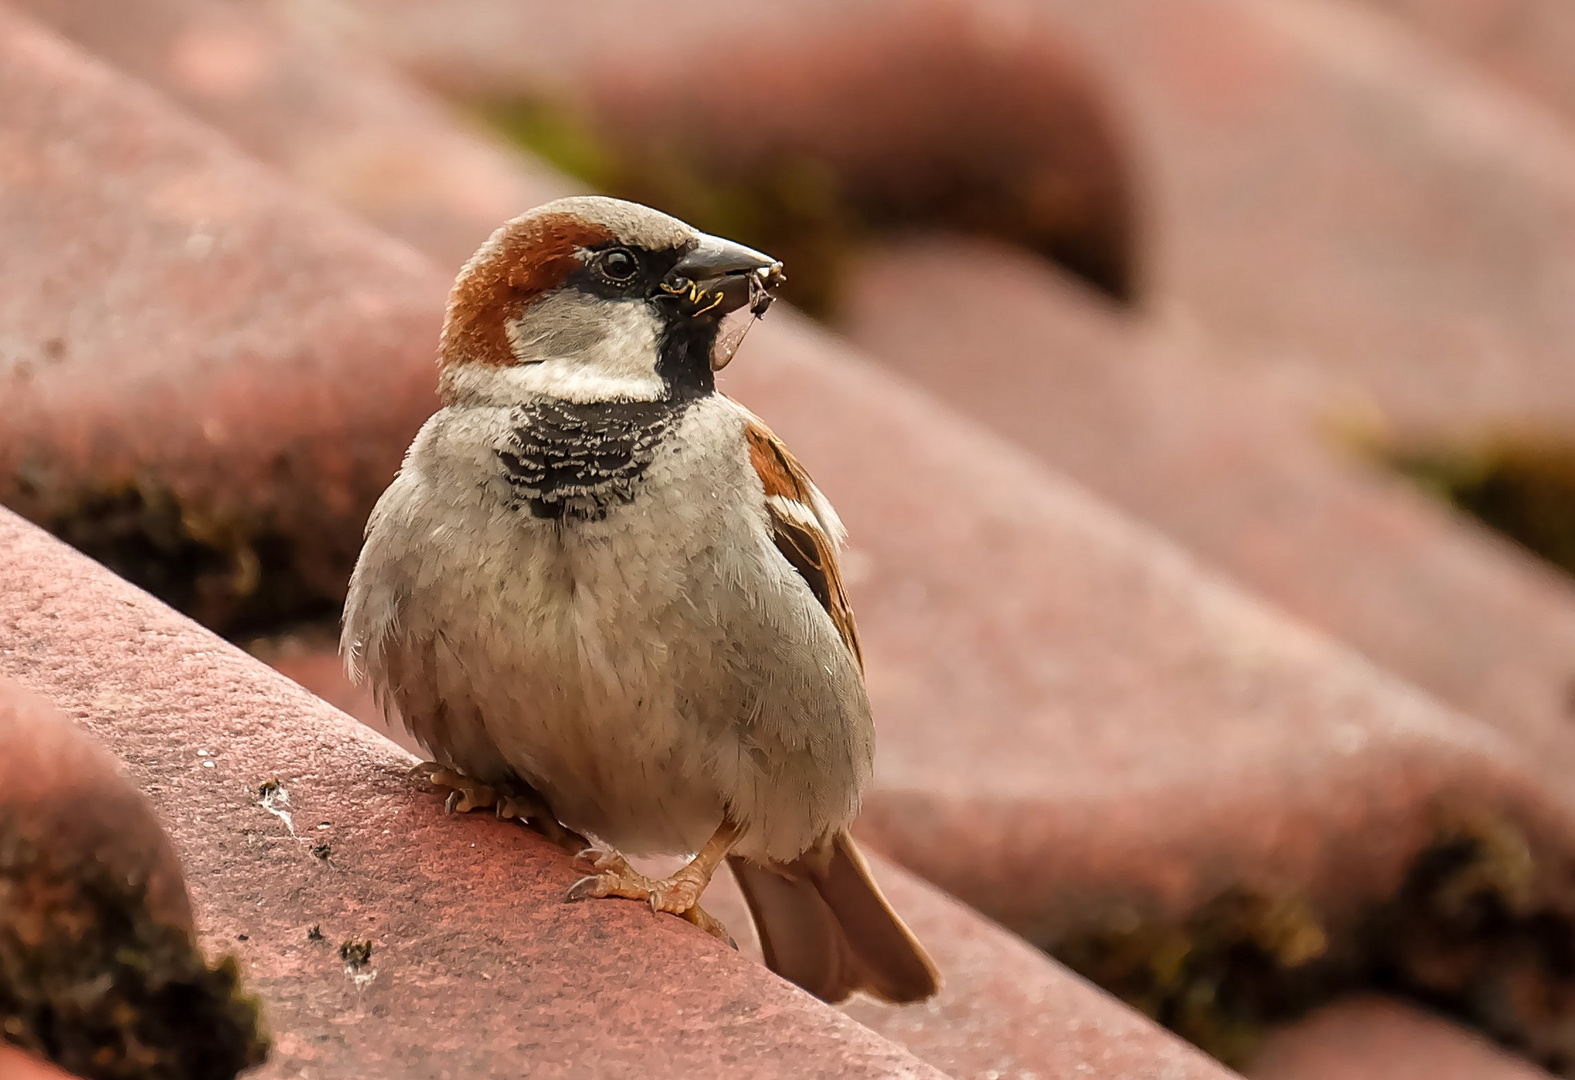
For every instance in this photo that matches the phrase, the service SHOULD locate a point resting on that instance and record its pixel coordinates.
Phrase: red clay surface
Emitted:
(1005, 1009)
(1070, 710)
(1317, 188)
(15, 1065)
(1412, 221)
(1081, 727)
(1526, 43)
(477, 964)
(1228, 462)
(189, 339)
(55, 779)
(1375, 1039)
(96, 968)
(334, 118)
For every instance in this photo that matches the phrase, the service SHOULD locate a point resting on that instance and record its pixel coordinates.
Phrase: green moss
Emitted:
(91, 980)
(1523, 487)
(1468, 933)
(804, 209)
(1241, 961)
(559, 138)
(355, 954)
(794, 209)
(229, 573)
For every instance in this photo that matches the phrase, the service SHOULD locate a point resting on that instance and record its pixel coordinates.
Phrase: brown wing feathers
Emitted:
(798, 531)
(822, 920)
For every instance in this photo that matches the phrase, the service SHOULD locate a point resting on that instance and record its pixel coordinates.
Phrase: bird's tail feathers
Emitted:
(824, 925)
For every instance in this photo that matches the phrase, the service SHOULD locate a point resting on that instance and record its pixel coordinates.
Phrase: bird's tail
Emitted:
(824, 925)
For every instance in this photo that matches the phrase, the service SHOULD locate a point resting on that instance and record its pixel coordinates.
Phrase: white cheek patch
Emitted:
(573, 380)
(560, 378)
(580, 347)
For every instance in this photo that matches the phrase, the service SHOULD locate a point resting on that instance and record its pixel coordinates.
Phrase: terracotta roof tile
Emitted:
(1316, 187)
(15, 1065)
(1006, 1010)
(57, 780)
(209, 376)
(1408, 216)
(1083, 731)
(1111, 750)
(1375, 1039)
(334, 118)
(476, 963)
(98, 969)
(1527, 43)
(1228, 460)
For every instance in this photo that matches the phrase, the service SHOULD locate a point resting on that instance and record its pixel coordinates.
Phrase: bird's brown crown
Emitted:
(533, 255)
(526, 258)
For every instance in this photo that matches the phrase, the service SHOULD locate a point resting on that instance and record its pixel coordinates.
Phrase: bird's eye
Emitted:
(618, 265)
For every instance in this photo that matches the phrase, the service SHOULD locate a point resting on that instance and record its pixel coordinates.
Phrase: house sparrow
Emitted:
(605, 597)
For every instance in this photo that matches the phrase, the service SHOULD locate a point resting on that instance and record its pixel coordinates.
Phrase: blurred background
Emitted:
(1197, 378)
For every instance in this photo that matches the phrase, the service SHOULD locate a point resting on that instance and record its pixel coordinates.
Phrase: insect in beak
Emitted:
(759, 295)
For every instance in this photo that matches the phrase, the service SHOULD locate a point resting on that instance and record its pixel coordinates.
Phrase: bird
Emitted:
(605, 597)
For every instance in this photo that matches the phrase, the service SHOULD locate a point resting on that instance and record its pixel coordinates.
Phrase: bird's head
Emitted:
(593, 298)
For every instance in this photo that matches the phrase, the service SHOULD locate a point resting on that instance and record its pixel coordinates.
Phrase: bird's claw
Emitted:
(615, 877)
(677, 895)
(524, 805)
(465, 794)
(702, 918)
(590, 887)
(606, 859)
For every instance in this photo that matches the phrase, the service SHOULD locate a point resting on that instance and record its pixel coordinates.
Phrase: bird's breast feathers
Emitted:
(618, 583)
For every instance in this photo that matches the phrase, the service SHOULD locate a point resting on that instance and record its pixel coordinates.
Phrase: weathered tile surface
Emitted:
(1376, 1039)
(1317, 188)
(1230, 463)
(1526, 43)
(1005, 1010)
(15, 1065)
(477, 965)
(51, 772)
(1083, 731)
(1093, 739)
(208, 376)
(332, 117)
(98, 968)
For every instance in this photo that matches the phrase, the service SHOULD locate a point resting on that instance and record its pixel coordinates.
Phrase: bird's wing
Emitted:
(804, 526)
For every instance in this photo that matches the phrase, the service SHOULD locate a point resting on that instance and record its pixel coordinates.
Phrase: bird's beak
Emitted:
(713, 258)
(717, 277)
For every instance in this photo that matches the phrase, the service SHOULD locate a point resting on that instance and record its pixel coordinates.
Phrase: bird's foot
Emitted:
(678, 894)
(465, 794)
(515, 802)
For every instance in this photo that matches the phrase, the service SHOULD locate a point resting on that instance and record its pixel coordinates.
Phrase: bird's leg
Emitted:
(465, 794)
(526, 803)
(678, 893)
(517, 800)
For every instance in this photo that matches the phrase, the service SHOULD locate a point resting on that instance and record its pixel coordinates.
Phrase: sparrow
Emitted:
(605, 597)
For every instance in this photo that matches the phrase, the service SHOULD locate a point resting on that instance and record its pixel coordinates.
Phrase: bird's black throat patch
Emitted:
(683, 356)
(567, 460)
